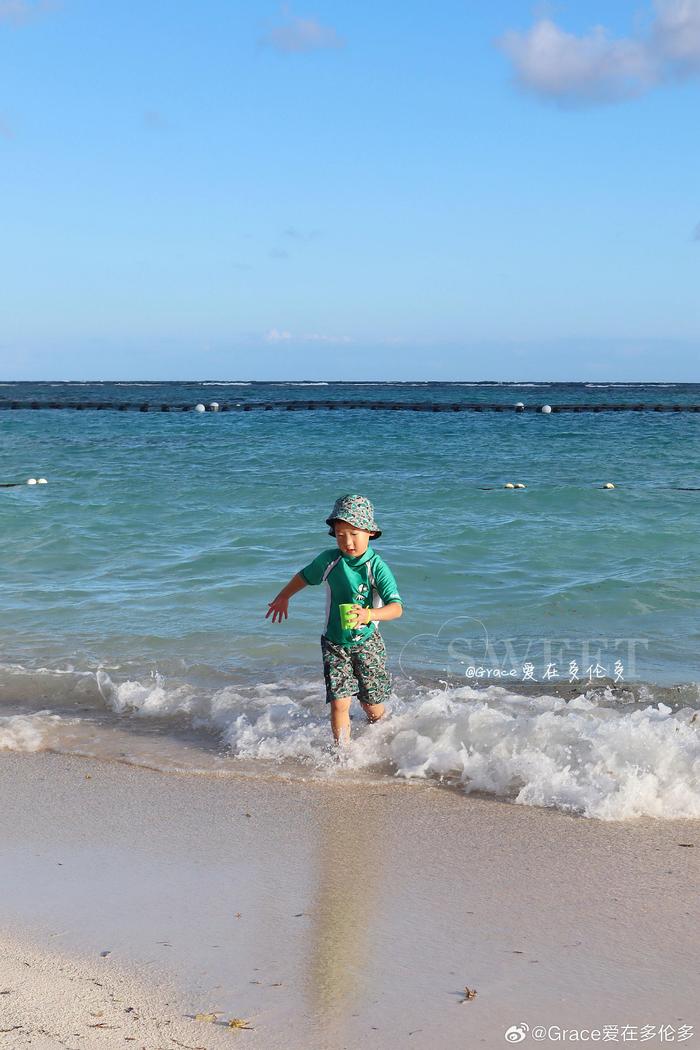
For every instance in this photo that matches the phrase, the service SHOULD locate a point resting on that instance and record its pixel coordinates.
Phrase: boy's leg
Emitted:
(373, 676)
(340, 719)
(373, 711)
(337, 672)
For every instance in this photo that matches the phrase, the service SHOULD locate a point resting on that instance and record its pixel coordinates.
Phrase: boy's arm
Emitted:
(280, 604)
(392, 611)
(295, 584)
(385, 584)
(311, 574)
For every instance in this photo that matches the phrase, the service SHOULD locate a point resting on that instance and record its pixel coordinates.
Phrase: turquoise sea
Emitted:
(134, 585)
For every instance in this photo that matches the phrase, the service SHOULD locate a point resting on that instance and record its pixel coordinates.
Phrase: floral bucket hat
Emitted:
(357, 511)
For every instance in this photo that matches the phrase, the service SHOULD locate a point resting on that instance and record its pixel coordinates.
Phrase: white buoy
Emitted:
(31, 481)
(519, 485)
(199, 408)
(546, 409)
(519, 404)
(608, 485)
(509, 485)
(41, 481)
(214, 406)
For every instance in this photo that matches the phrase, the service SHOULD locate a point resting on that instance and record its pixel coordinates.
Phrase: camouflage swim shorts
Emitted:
(364, 665)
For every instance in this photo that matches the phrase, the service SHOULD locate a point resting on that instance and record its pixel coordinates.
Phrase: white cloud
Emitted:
(317, 337)
(596, 67)
(676, 34)
(578, 68)
(14, 10)
(295, 35)
(276, 335)
(17, 12)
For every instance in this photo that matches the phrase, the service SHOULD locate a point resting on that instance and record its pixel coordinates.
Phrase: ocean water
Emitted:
(548, 652)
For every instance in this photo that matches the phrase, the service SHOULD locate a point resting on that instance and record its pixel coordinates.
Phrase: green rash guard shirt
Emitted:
(365, 580)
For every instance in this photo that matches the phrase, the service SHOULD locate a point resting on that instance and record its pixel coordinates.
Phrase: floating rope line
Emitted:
(607, 488)
(518, 486)
(306, 406)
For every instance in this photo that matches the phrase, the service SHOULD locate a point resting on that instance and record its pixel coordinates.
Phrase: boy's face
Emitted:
(350, 539)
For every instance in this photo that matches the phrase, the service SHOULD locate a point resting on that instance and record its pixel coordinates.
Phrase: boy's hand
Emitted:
(361, 615)
(278, 608)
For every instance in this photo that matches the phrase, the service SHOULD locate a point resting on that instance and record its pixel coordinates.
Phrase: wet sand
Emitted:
(328, 915)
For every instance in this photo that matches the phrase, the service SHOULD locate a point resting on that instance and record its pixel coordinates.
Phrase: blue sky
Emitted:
(235, 189)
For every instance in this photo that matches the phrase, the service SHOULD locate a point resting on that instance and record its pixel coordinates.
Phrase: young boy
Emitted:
(353, 573)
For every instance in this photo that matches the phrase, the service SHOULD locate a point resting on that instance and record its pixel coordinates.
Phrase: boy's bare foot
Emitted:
(339, 749)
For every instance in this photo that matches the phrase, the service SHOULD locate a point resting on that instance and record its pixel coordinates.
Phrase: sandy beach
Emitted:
(327, 915)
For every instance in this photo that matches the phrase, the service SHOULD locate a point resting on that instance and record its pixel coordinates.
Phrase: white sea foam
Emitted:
(26, 732)
(583, 756)
(590, 755)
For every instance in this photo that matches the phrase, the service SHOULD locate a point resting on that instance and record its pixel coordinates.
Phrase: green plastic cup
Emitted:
(345, 618)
